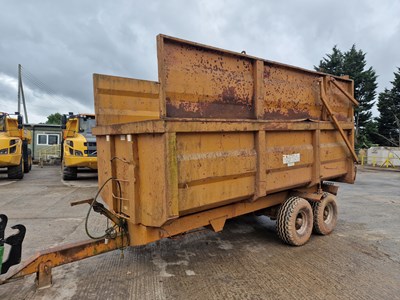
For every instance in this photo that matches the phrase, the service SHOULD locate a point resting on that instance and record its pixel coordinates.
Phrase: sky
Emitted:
(60, 44)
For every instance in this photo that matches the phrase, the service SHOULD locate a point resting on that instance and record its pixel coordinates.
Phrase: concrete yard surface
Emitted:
(359, 260)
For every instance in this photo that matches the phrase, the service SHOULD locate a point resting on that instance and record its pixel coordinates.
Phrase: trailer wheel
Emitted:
(16, 172)
(325, 214)
(70, 173)
(295, 221)
(28, 161)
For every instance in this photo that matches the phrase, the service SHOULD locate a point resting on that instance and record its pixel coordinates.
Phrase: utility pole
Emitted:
(21, 93)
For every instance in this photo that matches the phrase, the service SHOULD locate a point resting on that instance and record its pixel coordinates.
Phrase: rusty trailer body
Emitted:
(220, 134)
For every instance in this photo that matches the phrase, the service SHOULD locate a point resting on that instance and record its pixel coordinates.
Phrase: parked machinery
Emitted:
(79, 144)
(14, 140)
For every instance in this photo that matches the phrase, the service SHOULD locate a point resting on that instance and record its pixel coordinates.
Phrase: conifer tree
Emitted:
(353, 63)
(389, 119)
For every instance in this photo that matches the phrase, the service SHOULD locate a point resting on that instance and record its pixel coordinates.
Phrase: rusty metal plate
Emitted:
(202, 83)
(199, 81)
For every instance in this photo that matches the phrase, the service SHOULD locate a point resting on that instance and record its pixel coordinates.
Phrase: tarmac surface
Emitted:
(359, 260)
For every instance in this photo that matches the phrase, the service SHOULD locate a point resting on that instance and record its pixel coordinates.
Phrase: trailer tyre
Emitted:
(16, 172)
(70, 173)
(325, 214)
(295, 221)
(28, 161)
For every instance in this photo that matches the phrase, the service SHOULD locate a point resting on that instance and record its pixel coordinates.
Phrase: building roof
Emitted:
(52, 126)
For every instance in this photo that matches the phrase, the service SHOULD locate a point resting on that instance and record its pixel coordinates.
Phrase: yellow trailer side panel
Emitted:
(214, 167)
(122, 100)
(219, 130)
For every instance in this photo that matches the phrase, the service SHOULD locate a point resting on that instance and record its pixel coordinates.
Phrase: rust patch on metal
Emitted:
(228, 105)
(212, 110)
(267, 73)
(343, 118)
(289, 114)
(229, 95)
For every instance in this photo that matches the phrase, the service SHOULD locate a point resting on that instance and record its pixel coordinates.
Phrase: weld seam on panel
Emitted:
(128, 112)
(331, 145)
(198, 99)
(216, 179)
(290, 148)
(333, 176)
(324, 162)
(219, 154)
(289, 187)
(127, 93)
(288, 168)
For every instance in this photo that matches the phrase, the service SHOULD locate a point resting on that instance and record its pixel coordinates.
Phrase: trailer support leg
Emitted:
(44, 277)
(43, 262)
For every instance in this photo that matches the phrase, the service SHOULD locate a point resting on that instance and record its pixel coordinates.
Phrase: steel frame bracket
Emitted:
(313, 197)
(218, 223)
(330, 188)
(101, 209)
(334, 119)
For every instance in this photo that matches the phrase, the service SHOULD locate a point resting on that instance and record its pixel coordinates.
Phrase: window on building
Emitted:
(48, 139)
(42, 139)
(52, 139)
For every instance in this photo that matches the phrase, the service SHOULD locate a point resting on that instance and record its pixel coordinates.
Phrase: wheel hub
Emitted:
(301, 223)
(328, 213)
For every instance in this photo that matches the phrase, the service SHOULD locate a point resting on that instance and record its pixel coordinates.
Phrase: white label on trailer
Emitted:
(291, 159)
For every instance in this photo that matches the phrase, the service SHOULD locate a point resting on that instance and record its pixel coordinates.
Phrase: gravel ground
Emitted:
(359, 260)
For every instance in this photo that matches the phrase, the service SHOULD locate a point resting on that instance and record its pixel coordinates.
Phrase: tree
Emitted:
(333, 64)
(54, 119)
(353, 63)
(389, 109)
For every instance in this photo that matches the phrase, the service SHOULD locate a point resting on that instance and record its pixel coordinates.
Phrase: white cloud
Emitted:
(63, 43)
(39, 104)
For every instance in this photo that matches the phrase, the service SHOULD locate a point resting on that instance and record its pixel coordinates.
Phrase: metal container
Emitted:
(220, 134)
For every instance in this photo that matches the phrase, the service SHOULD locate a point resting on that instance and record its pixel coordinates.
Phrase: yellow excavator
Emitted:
(14, 140)
(79, 145)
